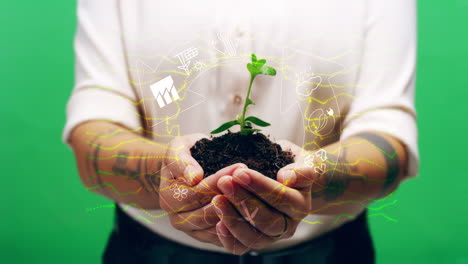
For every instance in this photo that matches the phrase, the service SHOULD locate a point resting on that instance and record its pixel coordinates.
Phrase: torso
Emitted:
(315, 46)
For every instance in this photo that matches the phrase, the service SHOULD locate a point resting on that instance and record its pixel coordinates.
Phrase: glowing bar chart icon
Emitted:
(164, 91)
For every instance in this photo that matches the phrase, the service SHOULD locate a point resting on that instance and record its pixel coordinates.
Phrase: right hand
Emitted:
(185, 195)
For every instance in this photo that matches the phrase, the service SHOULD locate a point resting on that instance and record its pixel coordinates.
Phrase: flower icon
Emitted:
(180, 193)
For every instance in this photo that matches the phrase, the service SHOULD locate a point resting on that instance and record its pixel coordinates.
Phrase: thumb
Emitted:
(179, 161)
(296, 176)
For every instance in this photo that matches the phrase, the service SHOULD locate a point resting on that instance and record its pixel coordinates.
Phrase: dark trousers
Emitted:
(130, 242)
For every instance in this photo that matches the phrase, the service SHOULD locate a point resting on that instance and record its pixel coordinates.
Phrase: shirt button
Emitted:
(237, 99)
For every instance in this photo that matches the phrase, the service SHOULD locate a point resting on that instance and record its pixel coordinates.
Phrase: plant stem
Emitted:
(252, 77)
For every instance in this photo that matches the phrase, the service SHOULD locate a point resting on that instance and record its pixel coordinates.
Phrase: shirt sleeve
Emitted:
(385, 89)
(102, 90)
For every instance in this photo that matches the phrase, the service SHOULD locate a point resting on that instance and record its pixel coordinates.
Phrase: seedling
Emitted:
(255, 68)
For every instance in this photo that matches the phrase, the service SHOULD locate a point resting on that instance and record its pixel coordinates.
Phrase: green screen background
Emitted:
(43, 204)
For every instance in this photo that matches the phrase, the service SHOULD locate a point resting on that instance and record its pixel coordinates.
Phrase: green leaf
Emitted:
(267, 70)
(225, 126)
(257, 121)
(248, 124)
(254, 58)
(248, 131)
(252, 69)
(247, 103)
(260, 63)
(250, 102)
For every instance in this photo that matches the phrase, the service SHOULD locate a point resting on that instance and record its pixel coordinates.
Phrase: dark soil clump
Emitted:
(254, 150)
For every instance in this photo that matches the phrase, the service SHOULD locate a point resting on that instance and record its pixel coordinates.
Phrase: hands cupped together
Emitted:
(236, 208)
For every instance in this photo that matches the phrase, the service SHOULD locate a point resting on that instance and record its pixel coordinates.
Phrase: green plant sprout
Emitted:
(255, 68)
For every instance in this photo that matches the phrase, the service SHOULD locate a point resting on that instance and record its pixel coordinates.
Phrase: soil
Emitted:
(256, 151)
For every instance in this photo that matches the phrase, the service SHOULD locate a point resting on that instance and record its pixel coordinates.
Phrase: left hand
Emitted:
(256, 211)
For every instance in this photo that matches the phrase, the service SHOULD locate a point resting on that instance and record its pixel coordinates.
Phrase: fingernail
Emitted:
(289, 177)
(190, 174)
(222, 229)
(242, 177)
(226, 186)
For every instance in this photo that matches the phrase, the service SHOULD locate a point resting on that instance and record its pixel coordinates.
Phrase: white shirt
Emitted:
(343, 67)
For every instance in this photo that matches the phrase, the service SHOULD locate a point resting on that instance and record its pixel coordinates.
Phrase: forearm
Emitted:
(358, 170)
(118, 164)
